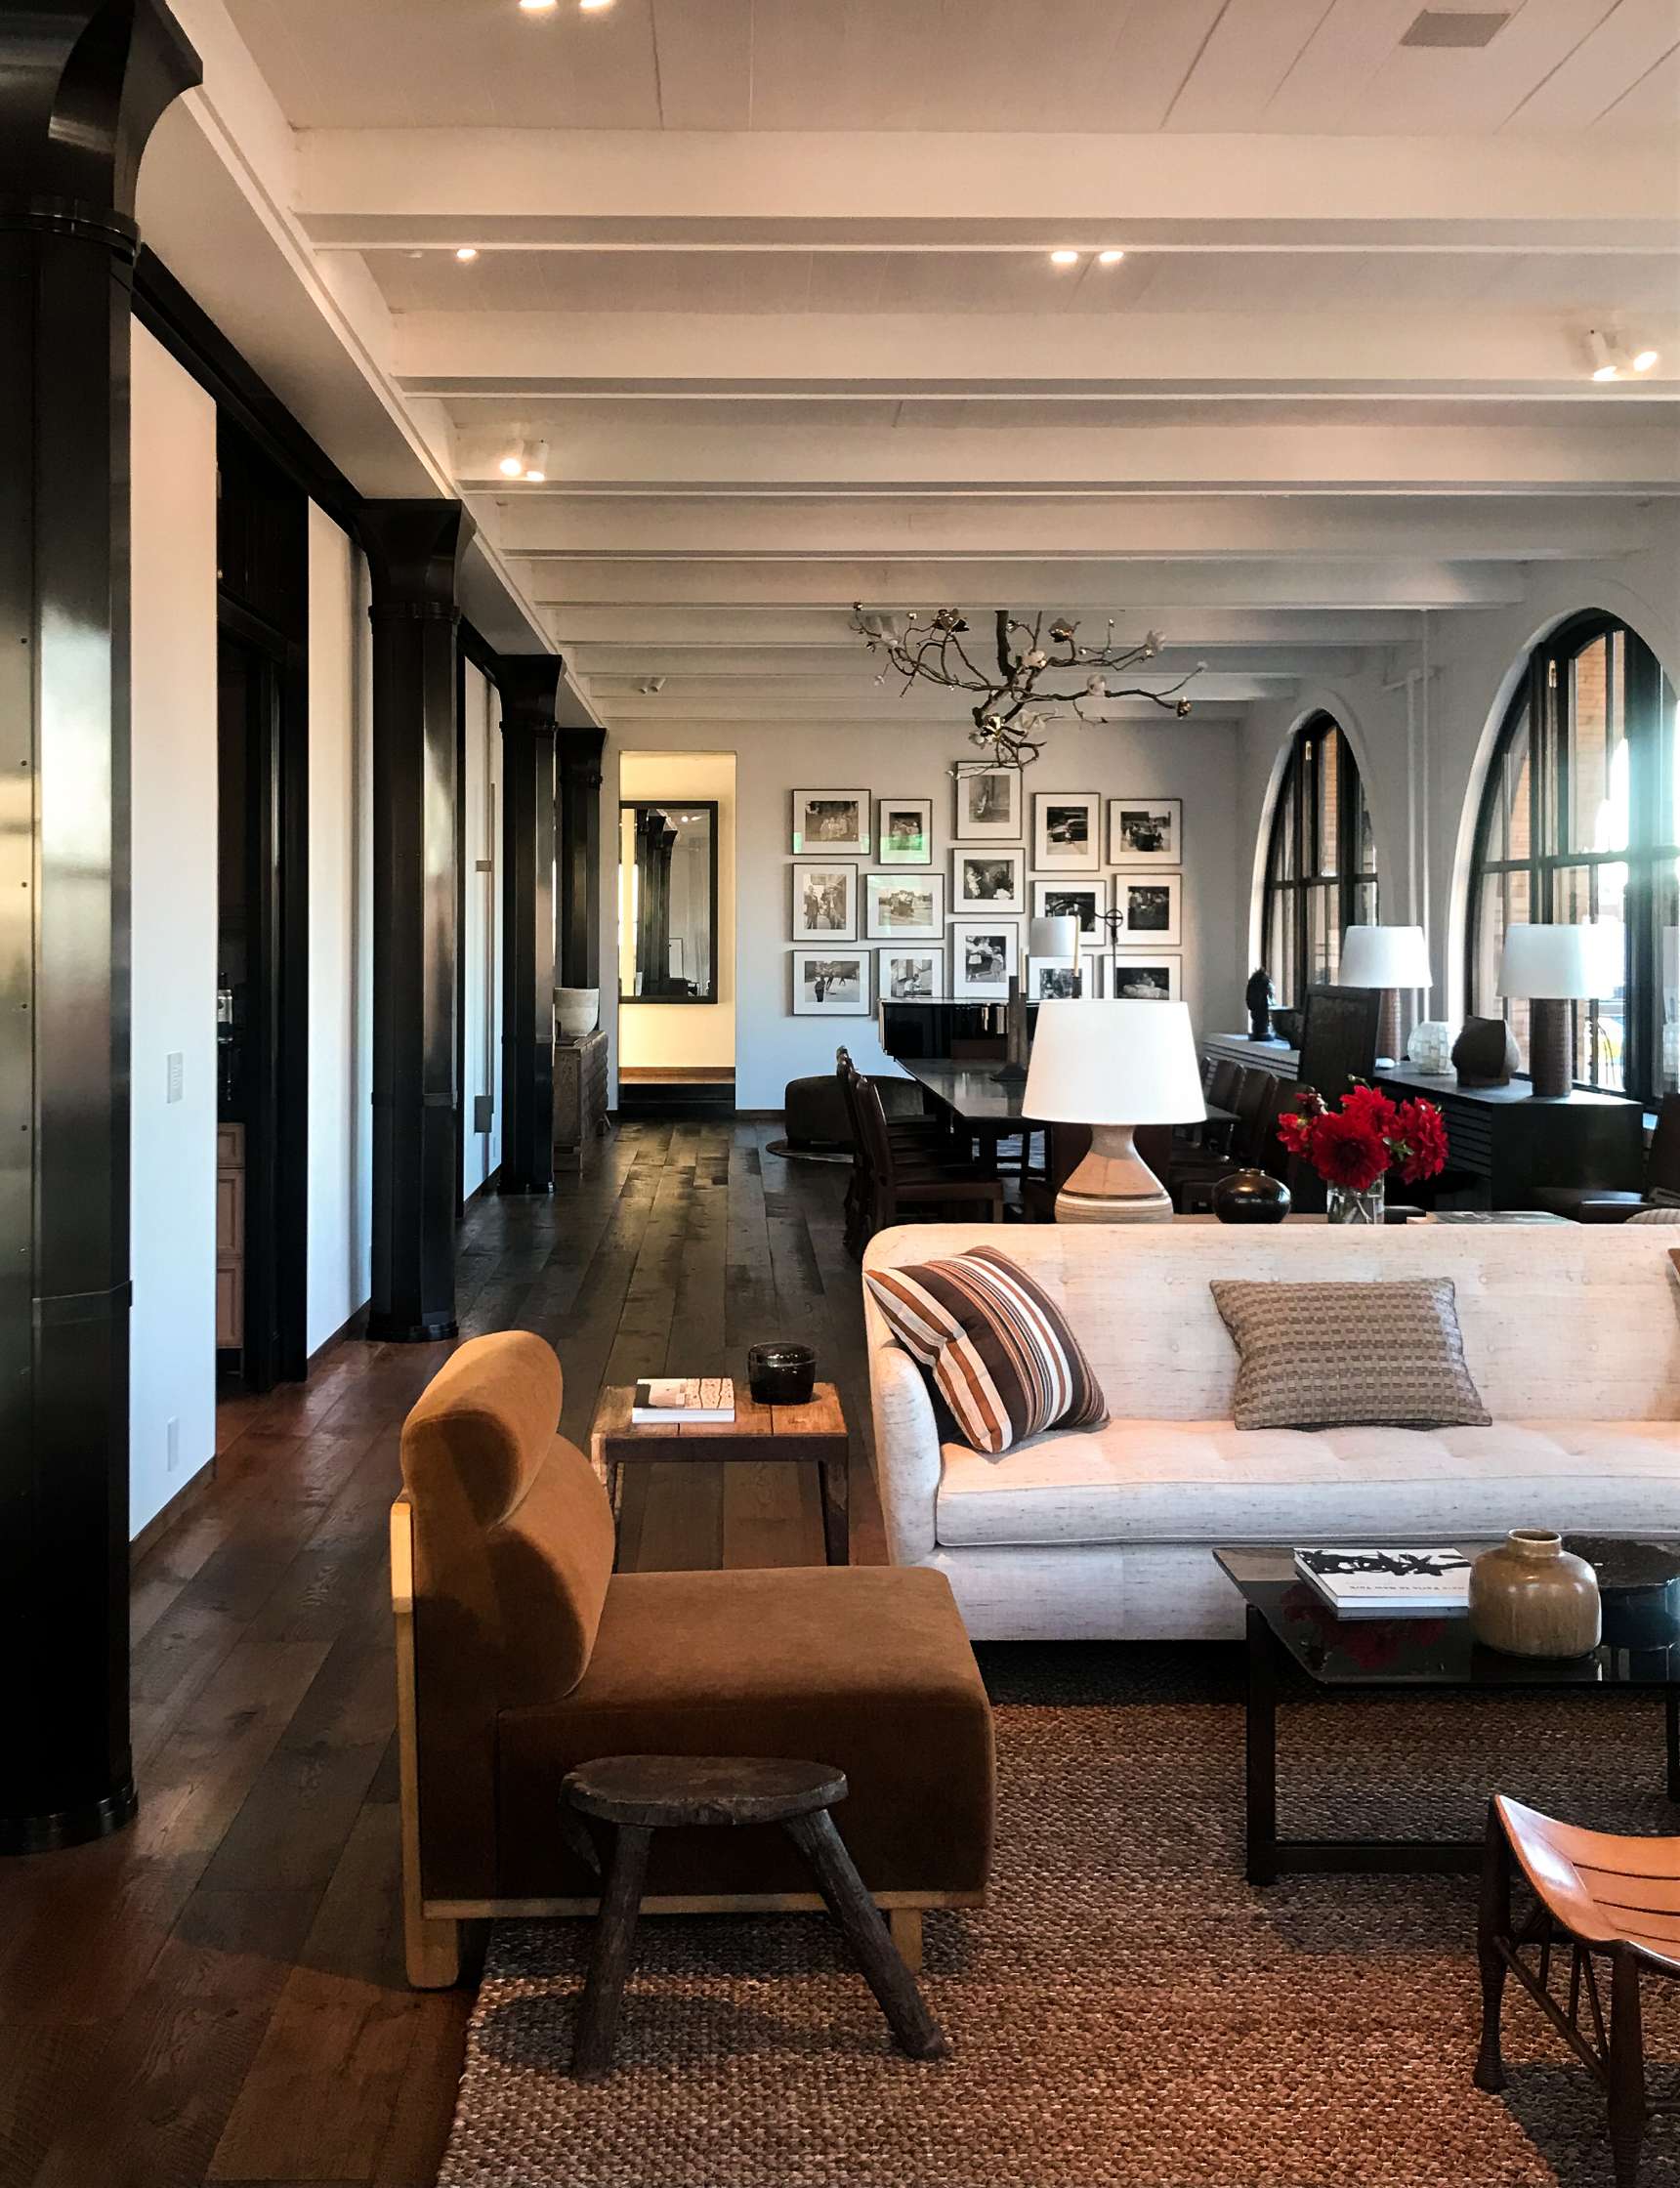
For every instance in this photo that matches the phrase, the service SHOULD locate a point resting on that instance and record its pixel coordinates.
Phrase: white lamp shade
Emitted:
(1555, 964)
(1113, 1063)
(1053, 938)
(1385, 957)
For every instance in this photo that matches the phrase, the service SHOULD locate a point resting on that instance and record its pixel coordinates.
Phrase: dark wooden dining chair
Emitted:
(1610, 1904)
(897, 1185)
(1598, 1203)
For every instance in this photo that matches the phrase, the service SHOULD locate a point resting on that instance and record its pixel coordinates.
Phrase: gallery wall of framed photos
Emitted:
(866, 873)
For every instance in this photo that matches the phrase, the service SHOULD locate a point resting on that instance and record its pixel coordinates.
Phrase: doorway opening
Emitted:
(675, 934)
(262, 988)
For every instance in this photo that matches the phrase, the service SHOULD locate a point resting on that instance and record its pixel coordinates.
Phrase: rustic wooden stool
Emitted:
(640, 1794)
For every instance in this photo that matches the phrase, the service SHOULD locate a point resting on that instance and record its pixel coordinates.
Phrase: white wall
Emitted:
(480, 937)
(172, 1331)
(698, 1034)
(340, 1032)
(1195, 761)
(1423, 740)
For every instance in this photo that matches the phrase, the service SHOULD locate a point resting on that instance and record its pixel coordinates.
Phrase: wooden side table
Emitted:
(814, 1434)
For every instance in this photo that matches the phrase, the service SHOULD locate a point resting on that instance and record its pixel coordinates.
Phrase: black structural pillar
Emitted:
(529, 684)
(579, 863)
(414, 551)
(81, 89)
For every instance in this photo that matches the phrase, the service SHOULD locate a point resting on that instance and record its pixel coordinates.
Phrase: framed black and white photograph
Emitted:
(831, 983)
(831, 824)
(1055, 979)
(1147, 909)
(824, 903)
(1085, 900)
(908, 975)
(1146, 832)
(984, 953)
(988, 880)
(905, 831)
(989, 806)
(1067, 832)
(904, 907)
(1134, 977)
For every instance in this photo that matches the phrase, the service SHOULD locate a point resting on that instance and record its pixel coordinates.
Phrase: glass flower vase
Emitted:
(1343, 1203)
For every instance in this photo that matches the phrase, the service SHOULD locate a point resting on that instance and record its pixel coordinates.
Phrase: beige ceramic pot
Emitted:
(1532, 1598)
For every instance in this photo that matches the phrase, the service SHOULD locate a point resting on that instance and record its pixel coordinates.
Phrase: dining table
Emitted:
(984, 1104)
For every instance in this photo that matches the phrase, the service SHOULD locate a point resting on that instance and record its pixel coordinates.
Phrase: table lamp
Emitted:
(1552, 969)
(1114, 1066)
(1389, 958)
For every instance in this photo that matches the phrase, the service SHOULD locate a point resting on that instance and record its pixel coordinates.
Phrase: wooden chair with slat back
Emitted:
(1598, 1203)
(903, 1186)
(1606, 1898)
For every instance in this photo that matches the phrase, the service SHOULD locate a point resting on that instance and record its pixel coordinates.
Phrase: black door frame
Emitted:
(277, 1124)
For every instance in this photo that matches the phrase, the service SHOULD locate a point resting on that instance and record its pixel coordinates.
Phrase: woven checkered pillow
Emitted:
(1000, 1351)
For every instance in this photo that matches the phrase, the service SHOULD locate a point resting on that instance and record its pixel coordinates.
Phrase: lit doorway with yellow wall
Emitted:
(675, 934)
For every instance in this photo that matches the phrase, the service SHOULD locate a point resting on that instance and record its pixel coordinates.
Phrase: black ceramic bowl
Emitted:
(781, 1374)
(1251, 1196)
(1638, 1587)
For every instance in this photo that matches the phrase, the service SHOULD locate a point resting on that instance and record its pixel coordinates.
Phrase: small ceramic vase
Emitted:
(1251, 1196)
(1430, 1048)
(576, 1011)
(1532, 1598)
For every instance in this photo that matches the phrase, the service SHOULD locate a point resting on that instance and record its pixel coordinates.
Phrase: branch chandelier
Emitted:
(1013, 711)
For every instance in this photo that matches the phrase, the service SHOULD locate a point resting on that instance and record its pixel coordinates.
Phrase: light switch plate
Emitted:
(483, 1112)
(171, 1444)
(175, 1067)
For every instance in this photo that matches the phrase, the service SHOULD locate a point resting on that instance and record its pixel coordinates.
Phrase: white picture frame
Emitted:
(984, 953)
(824, 900)
(1147, 910)
(908, 972)
(1146, 832)
(1083, 897)
(1048, 979)
(831, 824)
(1137, 976)
(832, 982)
(1067, 832)
(987, 879)
(904, 831)
(904, 905)
(989, 805)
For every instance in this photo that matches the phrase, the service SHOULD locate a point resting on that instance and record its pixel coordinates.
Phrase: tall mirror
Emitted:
(668, 902)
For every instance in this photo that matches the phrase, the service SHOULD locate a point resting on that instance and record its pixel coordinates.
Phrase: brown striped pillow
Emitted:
(1001, 1354)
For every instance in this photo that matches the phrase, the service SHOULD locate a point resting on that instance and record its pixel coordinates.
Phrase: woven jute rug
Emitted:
(1126, 2013)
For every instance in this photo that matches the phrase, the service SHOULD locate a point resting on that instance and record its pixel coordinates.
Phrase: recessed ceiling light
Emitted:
(535, 455)
(538, 7)
(1644, 360)
(1604, 354)
(1064, 258)
(512, 467)
(593, 6)
(467, 253)
(1109, 258)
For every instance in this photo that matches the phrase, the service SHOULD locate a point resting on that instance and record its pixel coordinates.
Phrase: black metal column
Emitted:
(414, 550)
(579, 865)
(529, 684)
(81, 88)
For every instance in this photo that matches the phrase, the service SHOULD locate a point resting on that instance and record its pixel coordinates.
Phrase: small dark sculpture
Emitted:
(1251, 1196)
(1258, 997)
(1486, 1053)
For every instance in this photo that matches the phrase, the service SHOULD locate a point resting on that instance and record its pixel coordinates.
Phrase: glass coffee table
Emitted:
(1288, 1625)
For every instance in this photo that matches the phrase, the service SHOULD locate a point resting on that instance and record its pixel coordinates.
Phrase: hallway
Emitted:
(217, 1994)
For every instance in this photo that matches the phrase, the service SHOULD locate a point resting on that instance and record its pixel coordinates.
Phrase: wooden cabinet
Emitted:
(580, 1098)
(230, 1238)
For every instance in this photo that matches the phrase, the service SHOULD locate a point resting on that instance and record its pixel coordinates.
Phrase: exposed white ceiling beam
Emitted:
(1108, 589)
(800, 666)
(366, 186)
(725, 632)
(770, 708)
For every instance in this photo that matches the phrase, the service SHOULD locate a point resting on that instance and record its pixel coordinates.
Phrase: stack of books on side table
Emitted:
(1388, 1583)
(677, 1400)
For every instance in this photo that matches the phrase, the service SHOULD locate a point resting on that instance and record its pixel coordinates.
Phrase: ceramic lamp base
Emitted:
(1551, 1047)
(1113, 1184)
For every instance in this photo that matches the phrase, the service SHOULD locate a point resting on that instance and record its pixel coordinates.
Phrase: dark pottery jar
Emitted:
(1251, 1196)
(1638, 1586)
(781, 1374)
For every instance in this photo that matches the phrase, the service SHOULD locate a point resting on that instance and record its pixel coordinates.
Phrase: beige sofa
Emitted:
(1573, 1336)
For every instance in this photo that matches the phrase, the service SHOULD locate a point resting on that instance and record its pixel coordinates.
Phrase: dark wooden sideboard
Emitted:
(1513, 1140)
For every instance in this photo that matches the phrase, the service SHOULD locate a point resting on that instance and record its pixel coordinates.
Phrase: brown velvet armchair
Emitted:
(521, 1654)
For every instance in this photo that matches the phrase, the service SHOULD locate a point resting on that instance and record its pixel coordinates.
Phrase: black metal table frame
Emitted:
(1269, 1857)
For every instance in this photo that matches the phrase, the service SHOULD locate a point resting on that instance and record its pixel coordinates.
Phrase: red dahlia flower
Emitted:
(1296, 1133)
(1419, 1141)
(1371, 1109)
(1347, 1152)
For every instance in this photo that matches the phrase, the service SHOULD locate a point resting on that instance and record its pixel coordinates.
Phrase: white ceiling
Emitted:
(1325, 66)
(772, 281)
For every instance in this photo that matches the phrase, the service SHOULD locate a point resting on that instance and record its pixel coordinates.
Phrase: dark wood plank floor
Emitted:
(217, 1994)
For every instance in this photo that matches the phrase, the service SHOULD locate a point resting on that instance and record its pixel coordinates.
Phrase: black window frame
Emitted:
(1539, 709)
(1296, 816)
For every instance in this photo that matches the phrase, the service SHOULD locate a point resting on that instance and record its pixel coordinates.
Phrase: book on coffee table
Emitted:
(674, 1400)
(1388, 1583)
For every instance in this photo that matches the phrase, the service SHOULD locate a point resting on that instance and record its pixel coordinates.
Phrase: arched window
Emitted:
(1580, 819)
(1321, 863)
